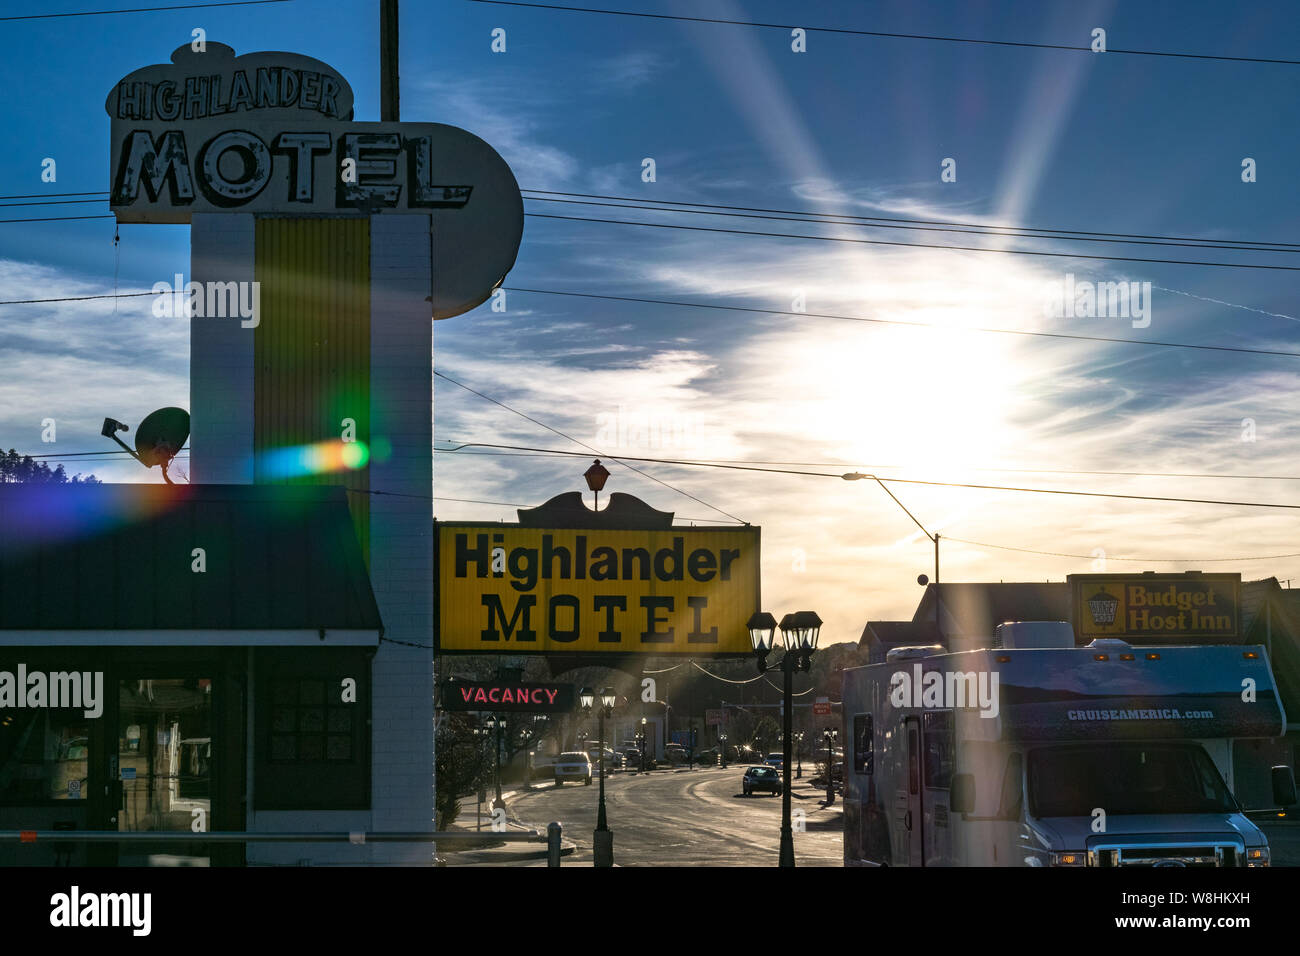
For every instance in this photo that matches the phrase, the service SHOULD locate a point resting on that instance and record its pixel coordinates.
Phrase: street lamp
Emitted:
(799, 633)
(596, 476)
(481, 735)
(602, 842)
(829, 735)
(722, 750)
(498, 724)
(643, 743)
(798, 744)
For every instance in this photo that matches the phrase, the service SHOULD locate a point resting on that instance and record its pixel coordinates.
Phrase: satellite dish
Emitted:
(157, 439)
(161, 435)
(922, 580)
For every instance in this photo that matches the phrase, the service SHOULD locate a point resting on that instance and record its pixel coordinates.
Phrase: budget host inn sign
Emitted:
(1159, 608)
(507, 589)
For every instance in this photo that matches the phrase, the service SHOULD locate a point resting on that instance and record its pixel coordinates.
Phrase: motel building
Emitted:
(1143, 609)
(252, 651)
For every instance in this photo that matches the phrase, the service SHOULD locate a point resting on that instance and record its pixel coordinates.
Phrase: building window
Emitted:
(43, 756)
(938, 749)
(309, 721)
(862, 743)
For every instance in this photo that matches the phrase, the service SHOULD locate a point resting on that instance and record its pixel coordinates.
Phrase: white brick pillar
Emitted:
(401, 530)
(221, 356)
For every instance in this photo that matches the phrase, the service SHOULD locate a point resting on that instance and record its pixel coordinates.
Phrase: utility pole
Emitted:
(938, 628)
(389, 97)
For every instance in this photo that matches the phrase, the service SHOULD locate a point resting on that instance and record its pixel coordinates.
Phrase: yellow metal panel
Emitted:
(504, 589)
(312, 351)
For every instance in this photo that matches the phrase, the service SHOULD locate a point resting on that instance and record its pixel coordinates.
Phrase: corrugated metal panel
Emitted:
(119, 557)
(312, 346)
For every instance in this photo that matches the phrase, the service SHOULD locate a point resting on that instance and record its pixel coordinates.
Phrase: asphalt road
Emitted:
(687, 818)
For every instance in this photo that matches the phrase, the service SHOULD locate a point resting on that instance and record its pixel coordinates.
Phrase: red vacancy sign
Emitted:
(822, 707)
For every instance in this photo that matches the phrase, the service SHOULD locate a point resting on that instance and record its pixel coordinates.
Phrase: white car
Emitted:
(572, 765)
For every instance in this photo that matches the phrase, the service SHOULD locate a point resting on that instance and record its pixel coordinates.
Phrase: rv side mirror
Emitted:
(1284, 786)
(961, 796)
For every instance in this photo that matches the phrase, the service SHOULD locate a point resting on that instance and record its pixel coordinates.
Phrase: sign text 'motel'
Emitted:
(392, 166)
(684, 590)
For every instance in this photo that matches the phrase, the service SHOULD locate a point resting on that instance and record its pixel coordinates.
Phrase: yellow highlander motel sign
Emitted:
(512, 590)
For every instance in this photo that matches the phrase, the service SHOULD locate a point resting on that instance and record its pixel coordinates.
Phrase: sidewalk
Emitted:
(496, 852)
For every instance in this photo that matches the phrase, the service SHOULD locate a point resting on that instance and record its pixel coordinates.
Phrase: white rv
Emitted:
(1036, 752)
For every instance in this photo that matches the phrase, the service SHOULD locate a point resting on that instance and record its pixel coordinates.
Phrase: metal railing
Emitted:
(357, 838)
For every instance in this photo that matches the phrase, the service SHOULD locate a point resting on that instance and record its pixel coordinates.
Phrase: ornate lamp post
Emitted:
(722, 750)
(829, 736)
(603, 838)
(799, 633)
(596, 476)
(497, 724)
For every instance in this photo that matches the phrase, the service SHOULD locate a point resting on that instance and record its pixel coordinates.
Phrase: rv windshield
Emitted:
(1125, 778)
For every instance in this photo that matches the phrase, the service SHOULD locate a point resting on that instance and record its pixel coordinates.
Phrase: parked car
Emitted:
(573, 765)
(776, 760)
(761, 778)
(631, 758)
(676, 753)
(612, 759)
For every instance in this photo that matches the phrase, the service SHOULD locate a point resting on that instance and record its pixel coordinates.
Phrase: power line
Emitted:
(913, 245)
(853, 476)
(96, 192)
(821, 220)
(725, 680)
(892, 36)
(49, 202)
(59, 218)
(101, 13)
(902, 322)
(844, 464)
(82, 298)
(928, 222)
(665, 205)
(1092, 557)
(586, 446)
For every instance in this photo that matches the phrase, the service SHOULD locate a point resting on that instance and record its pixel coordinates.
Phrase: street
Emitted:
(686, 818)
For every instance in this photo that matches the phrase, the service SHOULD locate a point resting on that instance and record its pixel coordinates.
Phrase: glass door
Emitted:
(163, 772)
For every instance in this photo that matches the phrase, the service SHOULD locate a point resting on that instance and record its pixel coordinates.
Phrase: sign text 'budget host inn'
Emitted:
(673, 591)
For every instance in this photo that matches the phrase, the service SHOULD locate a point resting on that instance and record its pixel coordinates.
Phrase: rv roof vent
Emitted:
(1020, 634)
(1109, 644)
(913, 652)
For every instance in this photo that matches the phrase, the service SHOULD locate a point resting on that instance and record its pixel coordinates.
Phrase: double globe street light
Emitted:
(799, 633)
(602, 841)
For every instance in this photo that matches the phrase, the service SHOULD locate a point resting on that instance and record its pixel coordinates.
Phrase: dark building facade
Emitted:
(180, 658)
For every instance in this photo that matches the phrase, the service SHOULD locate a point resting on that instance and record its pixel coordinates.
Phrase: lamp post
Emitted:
(602, 842)
(481, 735)
(798, 743)
(596, 476)
(497, 724)
(799, 633)
(722, 750)
(829, 735)
(643, 743)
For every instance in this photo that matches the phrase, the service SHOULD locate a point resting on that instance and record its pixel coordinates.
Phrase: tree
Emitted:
(16, 468)
(460, 760)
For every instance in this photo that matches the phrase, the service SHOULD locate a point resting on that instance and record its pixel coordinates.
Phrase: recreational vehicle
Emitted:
(1035, 752)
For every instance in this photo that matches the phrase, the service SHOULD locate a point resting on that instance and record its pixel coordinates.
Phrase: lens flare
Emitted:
(317, 459)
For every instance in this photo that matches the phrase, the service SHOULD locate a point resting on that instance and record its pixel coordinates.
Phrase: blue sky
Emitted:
(859, 125)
